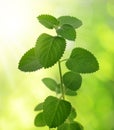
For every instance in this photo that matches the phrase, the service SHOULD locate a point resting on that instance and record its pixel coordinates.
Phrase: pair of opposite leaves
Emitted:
(49, 49)
(56, 113)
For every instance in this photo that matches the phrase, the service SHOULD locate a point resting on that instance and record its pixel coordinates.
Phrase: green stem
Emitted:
(61, 80)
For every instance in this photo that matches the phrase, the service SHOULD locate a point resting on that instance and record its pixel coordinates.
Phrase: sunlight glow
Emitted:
(12, 27)
(18, 29)
(13, 21)
(11, 24)
(19, 108)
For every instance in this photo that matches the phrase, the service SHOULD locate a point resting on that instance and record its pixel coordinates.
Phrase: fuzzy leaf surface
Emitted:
(67, 31)
(82, 61)
(72, 80)
(49, 49)
(48, 21)
(70, 126)
(56, 111)
(39, 107)
(50, 83)
(39, 120)
(76, 23)
(29, 62)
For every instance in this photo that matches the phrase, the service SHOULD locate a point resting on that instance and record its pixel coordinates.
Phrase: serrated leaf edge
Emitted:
(49, 16)
(56, 108)
(94, 57)
(63, 36)
(61, 55)
(20, 60)
(59, 58)
(71, 17)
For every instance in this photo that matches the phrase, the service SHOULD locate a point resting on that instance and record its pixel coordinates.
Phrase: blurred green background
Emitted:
(21, 92)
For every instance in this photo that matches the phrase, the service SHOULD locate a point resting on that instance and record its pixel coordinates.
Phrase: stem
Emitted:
(61, 80)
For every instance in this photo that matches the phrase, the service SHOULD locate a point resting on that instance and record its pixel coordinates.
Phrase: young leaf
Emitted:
(50, 83)
(72, 80)
(67, 31)
(82, 61)
(48, 21)
(69, 92)
(58, 89)
(72, 115)
(49, 49)
(29, 62)
(39, 107)
(56, 111)
(76, 23)
(70, 126)
(39, 120)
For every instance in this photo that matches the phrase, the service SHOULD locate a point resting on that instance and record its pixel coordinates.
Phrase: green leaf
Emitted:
(72, 115)
(48, 21)
(50, 83)
(39, 107)
(70, 20)
(39, 120)
(72, 80)
(67, 31)
(70, 126)
(82, 61)
(69, 92)
(56, 111)
(29, 62)
(49, 49)
(58, 89)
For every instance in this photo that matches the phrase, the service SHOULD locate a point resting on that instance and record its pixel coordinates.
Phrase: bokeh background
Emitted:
(20, 92)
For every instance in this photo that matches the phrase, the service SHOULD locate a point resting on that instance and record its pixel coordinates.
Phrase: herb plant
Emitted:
(56, 111)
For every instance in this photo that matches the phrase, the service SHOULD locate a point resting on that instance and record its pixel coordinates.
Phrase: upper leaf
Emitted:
(56, 111)
(72, 80)
(39, 120)
(49, 49)
(67, 31)
(29, 62)
(48, 21)
(70, 126)
(39, 107)
(82, 61)
(70, 20)
(50, 83)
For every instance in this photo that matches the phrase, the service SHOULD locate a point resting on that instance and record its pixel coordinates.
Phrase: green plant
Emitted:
(57, 112)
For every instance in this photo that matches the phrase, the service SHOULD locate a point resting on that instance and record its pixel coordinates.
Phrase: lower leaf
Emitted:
(39, 107)
(72, 115)
(70, 126)
(39, 120)
(56, 111)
